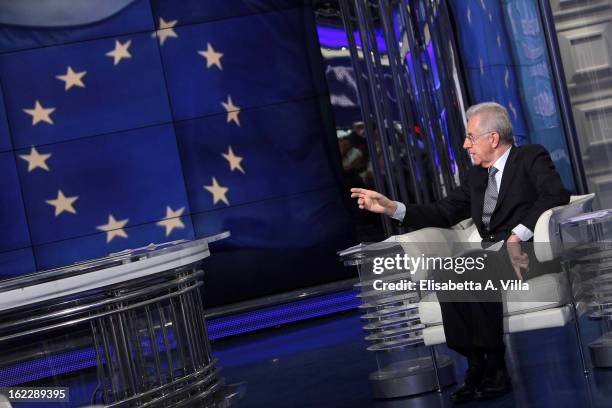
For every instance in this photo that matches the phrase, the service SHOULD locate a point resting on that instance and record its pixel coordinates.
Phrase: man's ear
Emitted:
(496, 139)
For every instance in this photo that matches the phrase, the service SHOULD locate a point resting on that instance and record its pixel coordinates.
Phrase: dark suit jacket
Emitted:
(530, 185)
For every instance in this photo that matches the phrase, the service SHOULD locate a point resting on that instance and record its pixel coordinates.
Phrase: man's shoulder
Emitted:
(529, 153)
(529, 150)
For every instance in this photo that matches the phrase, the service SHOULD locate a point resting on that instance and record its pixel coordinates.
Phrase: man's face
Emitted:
(479, 143)
(345, 146)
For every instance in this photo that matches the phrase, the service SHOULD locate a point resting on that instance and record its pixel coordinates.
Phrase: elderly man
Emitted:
(505, 193)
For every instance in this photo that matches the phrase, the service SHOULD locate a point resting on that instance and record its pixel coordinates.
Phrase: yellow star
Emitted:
(63, 203)
(36, 160)
(114, 228)
(166, 30)
(232, 110)
(120, 52)
(212, 57)
(40, 114)
(172, 220)
(72, 78)
(234, 161)
(218, 192)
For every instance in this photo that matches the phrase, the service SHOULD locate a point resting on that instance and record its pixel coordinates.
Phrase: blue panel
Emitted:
(13, 222)
(498, 84)
(537, 88)
(253, 74)
(486, 54)
(16, 263)
(481, 24)
(134, 18)
(282, 149)
(301, 221)
(115, 97)
(507, 62)
(317, 65)
(192, 11)
(276, 245)
(5, 138)
(132, 175)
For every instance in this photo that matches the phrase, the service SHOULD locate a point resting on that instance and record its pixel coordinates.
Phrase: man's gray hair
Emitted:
(493, 118)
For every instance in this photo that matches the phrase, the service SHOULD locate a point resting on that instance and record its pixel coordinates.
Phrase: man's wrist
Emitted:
(514, 238)
(392, 209)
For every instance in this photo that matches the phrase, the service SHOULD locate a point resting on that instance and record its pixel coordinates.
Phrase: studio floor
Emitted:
(324, 363)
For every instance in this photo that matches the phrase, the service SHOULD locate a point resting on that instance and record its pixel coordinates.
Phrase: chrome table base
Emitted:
(144, 311)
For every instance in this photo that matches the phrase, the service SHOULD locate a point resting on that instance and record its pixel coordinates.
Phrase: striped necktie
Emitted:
(490, 198)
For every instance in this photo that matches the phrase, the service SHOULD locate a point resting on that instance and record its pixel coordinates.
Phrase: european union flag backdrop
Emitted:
(12, 217)
(134, 174)
(15, 247)
(275, 163)
(220, 63)
(173, 120)
(103, 96)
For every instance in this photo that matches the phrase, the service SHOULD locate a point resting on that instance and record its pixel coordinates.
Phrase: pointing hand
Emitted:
(373, 201)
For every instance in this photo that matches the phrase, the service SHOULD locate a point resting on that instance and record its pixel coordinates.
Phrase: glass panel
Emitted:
(584, 33)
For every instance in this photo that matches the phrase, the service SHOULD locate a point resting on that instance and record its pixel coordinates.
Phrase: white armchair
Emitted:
(519, 314)
(4, 402)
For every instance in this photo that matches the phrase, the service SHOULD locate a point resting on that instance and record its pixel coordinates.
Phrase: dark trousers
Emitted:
(477, 326)
(474, 320)
(473, 326)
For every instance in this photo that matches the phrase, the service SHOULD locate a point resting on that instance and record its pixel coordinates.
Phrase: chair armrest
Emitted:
(428, 242)
(464, 225)
(412, 242)
(546, 235)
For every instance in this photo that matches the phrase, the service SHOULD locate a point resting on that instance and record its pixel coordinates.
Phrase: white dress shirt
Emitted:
(520, 230)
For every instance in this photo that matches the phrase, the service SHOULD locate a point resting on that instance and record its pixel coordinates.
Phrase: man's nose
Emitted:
(466, 143)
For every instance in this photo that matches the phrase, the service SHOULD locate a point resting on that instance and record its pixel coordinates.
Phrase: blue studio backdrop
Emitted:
(506, 60)
(158, 120)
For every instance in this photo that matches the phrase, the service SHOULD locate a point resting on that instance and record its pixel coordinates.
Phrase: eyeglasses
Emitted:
(474, 138)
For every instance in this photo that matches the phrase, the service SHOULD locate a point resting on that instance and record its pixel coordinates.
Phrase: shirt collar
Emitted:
(501, 162)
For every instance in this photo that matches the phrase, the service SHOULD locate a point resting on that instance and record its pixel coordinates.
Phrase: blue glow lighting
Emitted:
(47, 367)
(58, 364)
(336, 38)
(282, 314)
(434, 65)
(412, 75)
(433, 145)
(444, 126)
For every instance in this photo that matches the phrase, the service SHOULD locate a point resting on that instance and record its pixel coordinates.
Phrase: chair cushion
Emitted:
(543, 319)
(545, 292)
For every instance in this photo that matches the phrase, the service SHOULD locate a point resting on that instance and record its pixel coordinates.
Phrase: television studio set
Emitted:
(305, 203)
